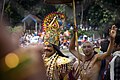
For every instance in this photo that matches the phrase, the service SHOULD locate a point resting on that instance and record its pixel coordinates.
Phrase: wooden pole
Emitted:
(75, 26)
(76, 33)
(2, 11)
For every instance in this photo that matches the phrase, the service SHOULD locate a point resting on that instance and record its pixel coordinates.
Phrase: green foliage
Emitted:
(97, 13)
(98, 16)
(16, 29)
(12, 14)
(67, 10)
(27, 4)
(16, 10)
(101, 16)
(80, 32)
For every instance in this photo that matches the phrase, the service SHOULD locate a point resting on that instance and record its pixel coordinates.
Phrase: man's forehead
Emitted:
(87, 43)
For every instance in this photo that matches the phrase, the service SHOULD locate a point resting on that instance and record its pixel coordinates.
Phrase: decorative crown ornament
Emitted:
(51, 27)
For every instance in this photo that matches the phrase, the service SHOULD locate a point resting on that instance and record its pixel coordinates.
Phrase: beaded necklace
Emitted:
(83, 66)
(51, 65)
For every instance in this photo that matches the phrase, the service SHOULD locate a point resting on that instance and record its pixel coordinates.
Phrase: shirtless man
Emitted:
(90, 62)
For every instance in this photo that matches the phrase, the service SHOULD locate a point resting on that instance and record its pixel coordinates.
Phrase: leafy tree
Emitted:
(17, 9)
(97, 13)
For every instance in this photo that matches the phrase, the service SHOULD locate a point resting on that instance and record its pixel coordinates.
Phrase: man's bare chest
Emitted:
(89, 70)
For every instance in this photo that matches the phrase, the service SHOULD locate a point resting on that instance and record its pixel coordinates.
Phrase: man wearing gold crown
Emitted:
(57, 64)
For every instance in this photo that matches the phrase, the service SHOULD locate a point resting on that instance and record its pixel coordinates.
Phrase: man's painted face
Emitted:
(87, 48)
(48, 49)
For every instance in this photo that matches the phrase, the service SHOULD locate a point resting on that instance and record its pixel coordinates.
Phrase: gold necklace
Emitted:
(51, 64)
(83, 66)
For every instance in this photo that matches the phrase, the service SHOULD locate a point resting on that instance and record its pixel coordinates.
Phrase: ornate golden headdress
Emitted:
(52, 28)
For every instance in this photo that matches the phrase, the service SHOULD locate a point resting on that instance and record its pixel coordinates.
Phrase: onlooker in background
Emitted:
(115, 62)
(104, 45)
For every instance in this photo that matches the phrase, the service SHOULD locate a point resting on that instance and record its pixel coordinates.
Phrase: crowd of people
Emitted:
(30, 37)
(45, 61)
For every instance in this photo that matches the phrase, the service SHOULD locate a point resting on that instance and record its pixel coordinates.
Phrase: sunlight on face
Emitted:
(87, 48)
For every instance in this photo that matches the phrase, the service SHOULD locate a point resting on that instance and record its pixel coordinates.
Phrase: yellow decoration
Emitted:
(63, 60)
(52, 27)
(46, 43)
(12, 60)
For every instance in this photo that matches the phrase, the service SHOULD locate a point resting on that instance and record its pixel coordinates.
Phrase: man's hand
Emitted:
(112, 32)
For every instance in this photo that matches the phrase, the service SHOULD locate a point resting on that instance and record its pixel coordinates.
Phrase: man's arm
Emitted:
(73, 50)
(112, 34)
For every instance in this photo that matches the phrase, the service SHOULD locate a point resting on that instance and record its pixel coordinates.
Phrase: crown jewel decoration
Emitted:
(51, 27)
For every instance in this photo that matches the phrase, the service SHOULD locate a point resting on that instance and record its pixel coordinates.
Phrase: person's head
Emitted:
(104, 45)
(48, 49)
(87, 48)
(117, 38)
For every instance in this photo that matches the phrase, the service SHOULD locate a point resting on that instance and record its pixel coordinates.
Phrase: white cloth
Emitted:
(115, 54)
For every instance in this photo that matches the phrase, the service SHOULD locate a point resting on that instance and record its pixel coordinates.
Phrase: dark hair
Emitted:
(117, 23)
(117, 38)
(104, 45)
(57, 48)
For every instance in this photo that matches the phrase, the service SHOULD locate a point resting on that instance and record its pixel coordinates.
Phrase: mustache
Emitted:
(48, 50)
